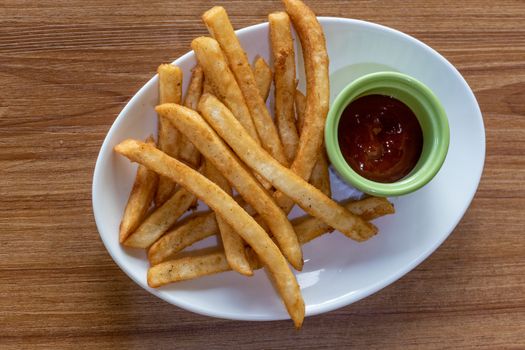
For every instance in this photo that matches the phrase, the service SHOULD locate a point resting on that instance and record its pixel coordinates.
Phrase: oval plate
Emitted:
(337, 271)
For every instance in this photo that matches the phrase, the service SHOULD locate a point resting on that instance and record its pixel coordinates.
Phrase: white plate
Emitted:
(337, 271)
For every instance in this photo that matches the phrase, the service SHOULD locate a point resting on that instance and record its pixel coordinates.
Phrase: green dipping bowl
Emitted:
(429, 112)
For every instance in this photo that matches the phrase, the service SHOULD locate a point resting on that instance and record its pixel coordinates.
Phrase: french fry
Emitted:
(307, 228)
(307, 197)
(139, 199)
(170, 91)
(263, 77)
(320, 177)
(315, 56)
(188, 153)
(187, 268)
(221, 81)
(227, 207)
(219, 26)
(213, 148)
(232, 242)
(284, 78)
(185, 234)
(160, 220)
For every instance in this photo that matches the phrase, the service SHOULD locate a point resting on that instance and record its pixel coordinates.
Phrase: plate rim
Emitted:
(344, 299)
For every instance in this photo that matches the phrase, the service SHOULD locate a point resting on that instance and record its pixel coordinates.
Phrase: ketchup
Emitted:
(380, 138)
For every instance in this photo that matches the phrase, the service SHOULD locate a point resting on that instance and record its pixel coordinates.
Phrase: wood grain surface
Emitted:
(67, 68)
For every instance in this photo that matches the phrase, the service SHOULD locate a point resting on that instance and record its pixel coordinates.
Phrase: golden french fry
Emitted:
(227, 207)
(188, 153)
(221, 81)
(187, 268)
(170, 91)
(307, 197)
(320, 177)
(185, 234)
(307, 229)
(139, 199)
(315, 56)
(213, 148)
(263, 77)
(232, 242)
(160, 220)
(284, 66)
(219, 26)
(170, 83)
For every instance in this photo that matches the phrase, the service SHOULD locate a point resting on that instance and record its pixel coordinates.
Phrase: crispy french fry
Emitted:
(232, 242)
(221, 81)
(284, 78)
(187, 268)
(313, 44)
(219, 26)
(160, 220)
(188, 153)
(227, 207)
(320, 177)
(307, 197)
(170, 83)
(139, 199)
(263, 77)
(170, 91)
(185, 234)
(213, 148)
(307, 228)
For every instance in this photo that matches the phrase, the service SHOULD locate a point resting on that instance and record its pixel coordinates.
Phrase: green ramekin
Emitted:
(430, 114)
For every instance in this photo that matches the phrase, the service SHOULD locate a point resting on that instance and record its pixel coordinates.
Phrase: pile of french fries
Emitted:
(221, 137)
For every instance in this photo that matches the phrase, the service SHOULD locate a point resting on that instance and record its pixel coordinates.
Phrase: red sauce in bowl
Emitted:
(380, 138)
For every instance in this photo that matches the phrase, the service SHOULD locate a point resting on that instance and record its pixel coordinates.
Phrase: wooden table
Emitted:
(68, 68)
